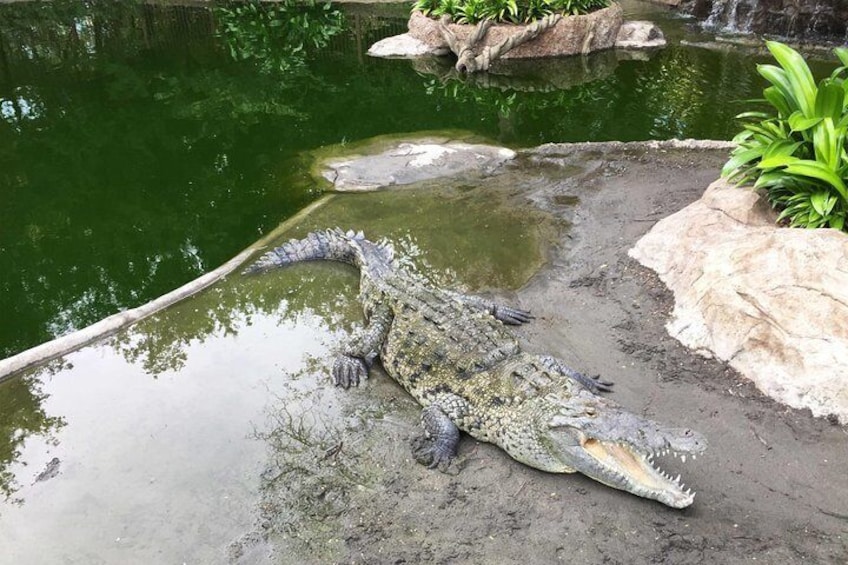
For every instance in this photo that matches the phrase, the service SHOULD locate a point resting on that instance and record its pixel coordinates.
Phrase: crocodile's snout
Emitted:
(622, 450)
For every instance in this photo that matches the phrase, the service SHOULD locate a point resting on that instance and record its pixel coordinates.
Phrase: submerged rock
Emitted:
(771, 301)
(412, 161)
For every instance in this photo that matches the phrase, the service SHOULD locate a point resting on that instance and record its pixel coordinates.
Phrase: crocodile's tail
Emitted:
(330, 245)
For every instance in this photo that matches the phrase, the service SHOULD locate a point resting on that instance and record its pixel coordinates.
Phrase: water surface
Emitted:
(150, 447)
(136, 152)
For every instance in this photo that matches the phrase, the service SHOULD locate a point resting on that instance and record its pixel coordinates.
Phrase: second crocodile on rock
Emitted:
(454, 355)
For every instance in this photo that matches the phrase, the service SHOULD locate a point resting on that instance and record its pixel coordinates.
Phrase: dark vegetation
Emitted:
(510, 11)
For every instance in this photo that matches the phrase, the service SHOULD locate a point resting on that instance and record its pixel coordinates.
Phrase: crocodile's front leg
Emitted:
(358, 356)
(439, 444)
(506, 314)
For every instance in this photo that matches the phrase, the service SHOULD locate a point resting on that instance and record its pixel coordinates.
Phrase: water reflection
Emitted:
(159, 345)
(273, 35)
(124, 136)
(464, 239)
(678, 92)
(23, 417)
(254, 328)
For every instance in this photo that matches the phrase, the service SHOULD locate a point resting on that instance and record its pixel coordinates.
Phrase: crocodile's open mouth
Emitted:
(630, 470)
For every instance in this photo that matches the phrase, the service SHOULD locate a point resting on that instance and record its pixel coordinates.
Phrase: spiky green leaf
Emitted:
(780, 94)
(776, 161)
(776, 98)
(740, 158)
(748, 115)
(818, 171)
(798, 122)
(822, 202)
(827, 143)
(798, 75)
(842, 54)
(829, 100)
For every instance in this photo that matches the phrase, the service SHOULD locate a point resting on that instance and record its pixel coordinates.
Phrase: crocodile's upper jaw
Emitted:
(621, 466)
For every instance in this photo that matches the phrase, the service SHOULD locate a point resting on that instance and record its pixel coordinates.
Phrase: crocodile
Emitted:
(454, 353)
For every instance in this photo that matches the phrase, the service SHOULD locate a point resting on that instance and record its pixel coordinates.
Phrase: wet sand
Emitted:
(300, 472)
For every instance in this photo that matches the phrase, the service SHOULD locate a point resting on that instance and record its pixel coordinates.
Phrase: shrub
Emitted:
(796, 150)
(510, 11)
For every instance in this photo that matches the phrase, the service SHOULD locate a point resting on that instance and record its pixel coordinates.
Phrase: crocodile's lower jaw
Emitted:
(623, 468)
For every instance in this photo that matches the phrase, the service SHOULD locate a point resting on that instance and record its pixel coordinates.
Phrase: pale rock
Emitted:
(404, 46)
(771, 301)
(639, 34)
(408, 162)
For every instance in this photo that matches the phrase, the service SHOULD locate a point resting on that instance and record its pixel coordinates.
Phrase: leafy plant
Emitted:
(509, 11)
(796, 151)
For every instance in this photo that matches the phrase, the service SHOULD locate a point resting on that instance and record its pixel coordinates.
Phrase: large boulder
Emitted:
(572, 35)
(771, 301)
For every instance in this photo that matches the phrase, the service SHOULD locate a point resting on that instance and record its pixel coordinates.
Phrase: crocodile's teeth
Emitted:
(693, 457)
(683, 458)
(677, 480)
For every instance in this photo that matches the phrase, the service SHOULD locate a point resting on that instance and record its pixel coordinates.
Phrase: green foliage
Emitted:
(276, 34)
(796, 151)
(509, 11)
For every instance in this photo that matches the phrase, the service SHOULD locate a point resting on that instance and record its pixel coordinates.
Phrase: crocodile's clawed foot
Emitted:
(598, 385)
(433, 454)
(511, 316)
(349, 370)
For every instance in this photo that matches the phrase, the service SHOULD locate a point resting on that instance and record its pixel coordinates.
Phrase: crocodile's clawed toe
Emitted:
(601, 385)
(512, 316)
(348, 371)
(430, 454)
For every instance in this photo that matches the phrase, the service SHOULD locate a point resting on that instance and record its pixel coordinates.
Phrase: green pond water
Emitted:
(142, 145)
(152, 446)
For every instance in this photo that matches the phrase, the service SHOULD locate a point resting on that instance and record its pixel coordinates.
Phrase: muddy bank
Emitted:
(771, 487)
(217, 415)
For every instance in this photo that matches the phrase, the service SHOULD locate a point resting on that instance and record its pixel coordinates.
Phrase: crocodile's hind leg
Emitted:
(359, 354)
(506, 314)
(594, 384)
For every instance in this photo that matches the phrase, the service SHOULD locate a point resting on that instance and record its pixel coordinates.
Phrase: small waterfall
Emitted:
(816, 20)
(731, 16)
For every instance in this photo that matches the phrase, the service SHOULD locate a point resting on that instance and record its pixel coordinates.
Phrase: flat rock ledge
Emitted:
(771, 301)
(412, 161)
(573, 35)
